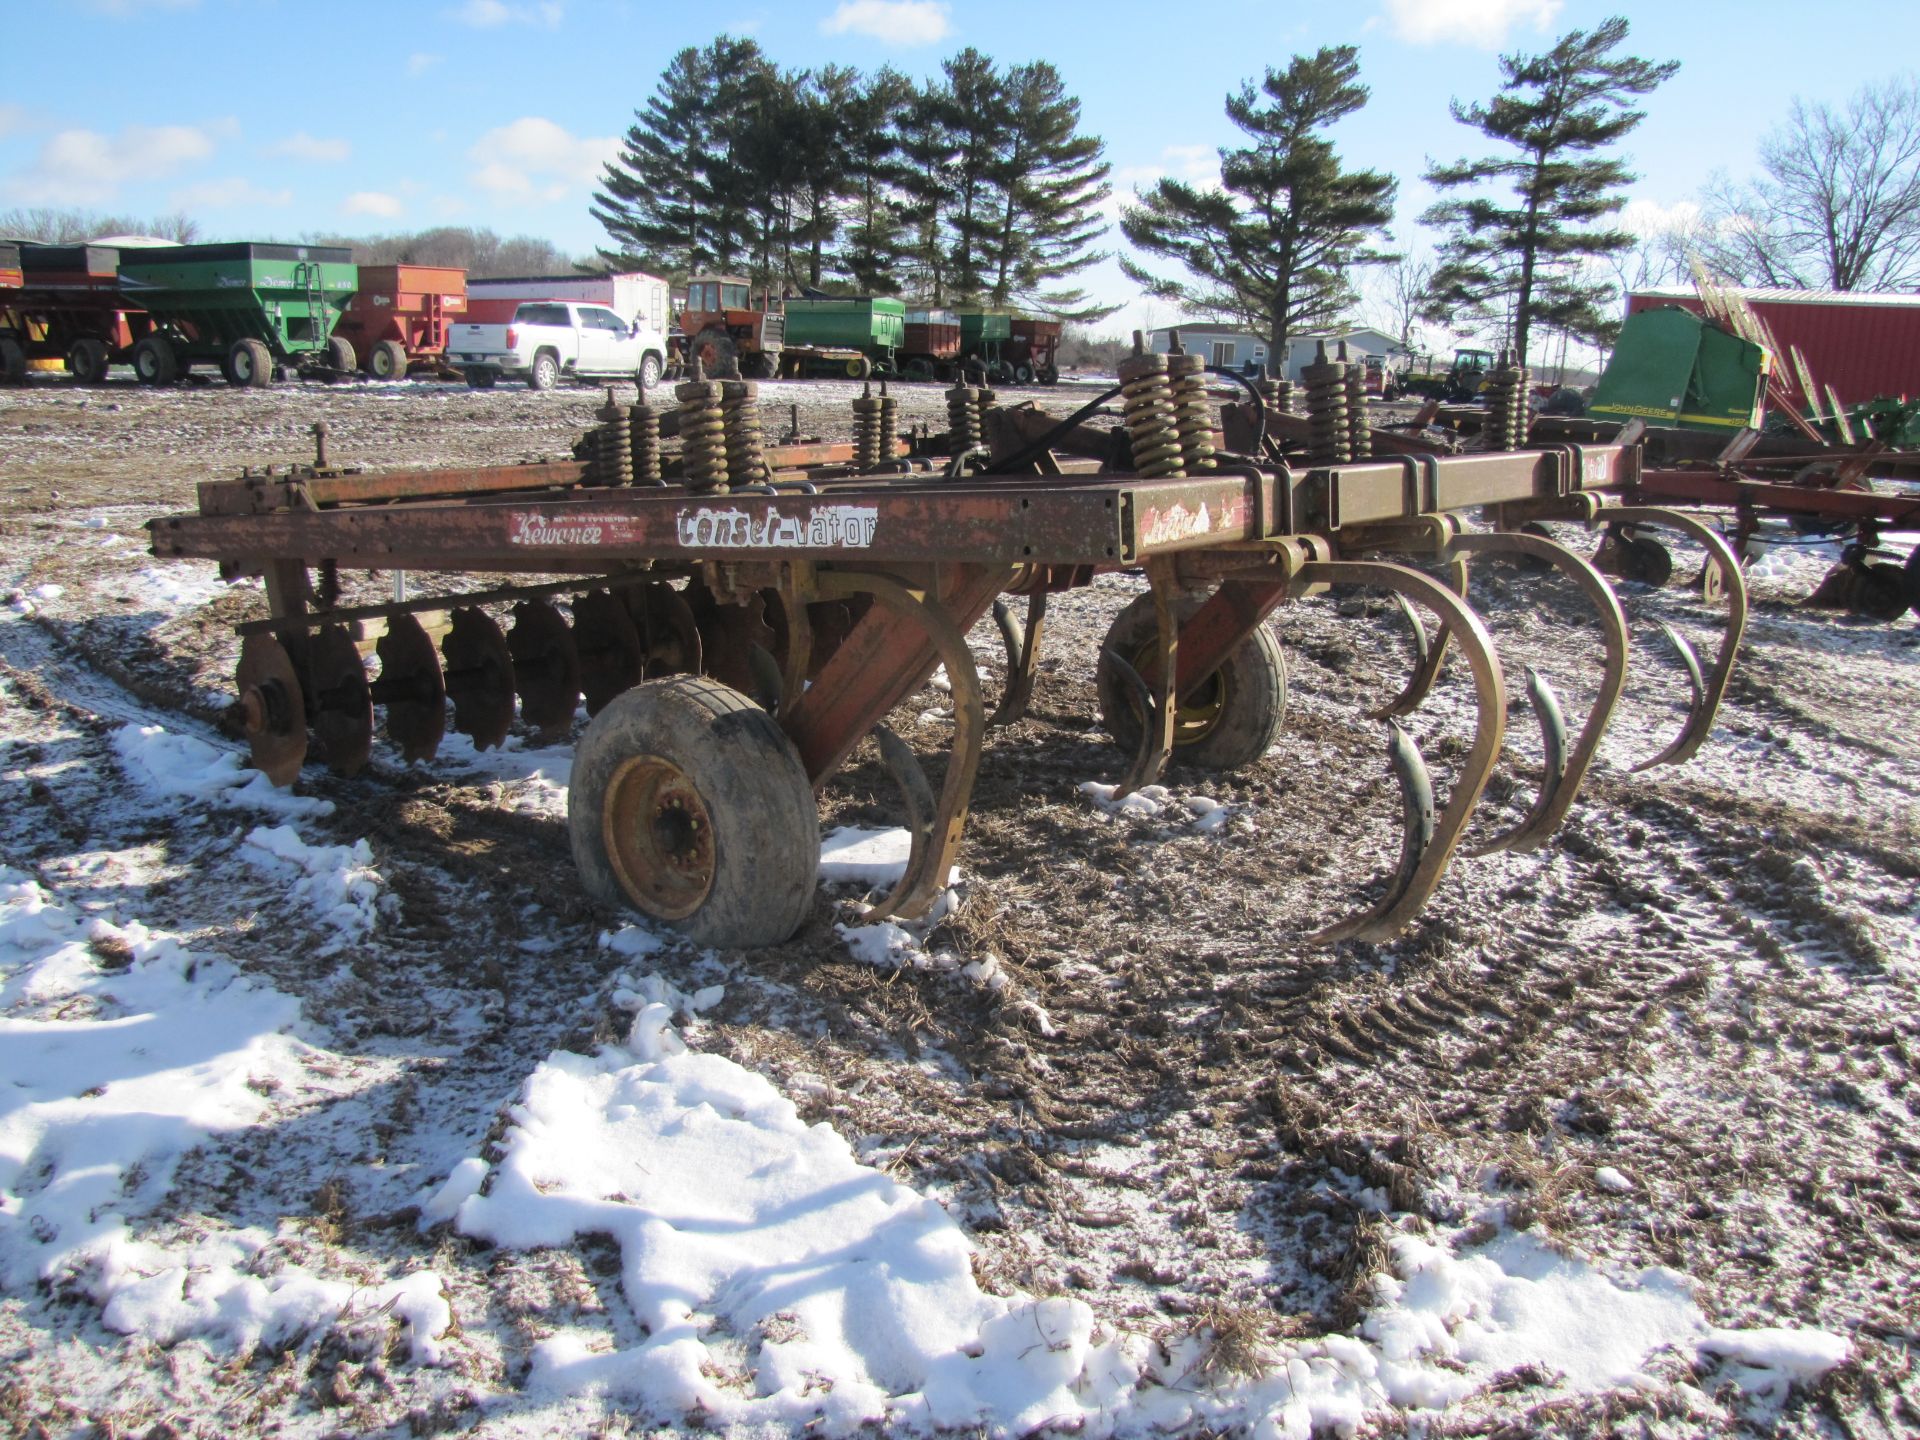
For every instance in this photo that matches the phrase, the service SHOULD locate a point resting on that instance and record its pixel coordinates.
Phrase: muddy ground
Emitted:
(1178, 1110)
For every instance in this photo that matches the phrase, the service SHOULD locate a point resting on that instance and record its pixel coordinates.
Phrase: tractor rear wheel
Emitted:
(87, 360)
(388, 361)
(1228, 723)
(248, 363)
(154, 361)
(718, 356)
(689, 804)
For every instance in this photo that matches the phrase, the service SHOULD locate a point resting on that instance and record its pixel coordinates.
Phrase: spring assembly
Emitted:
(1326, 382)
(746, 451)
(614, 452)
(1519, 413)
(866, 430)
(1276, 395)
(1359, 421)
(643, 428)
(983, 401)
(1505, 397)
(889, 424)
(1192, 413)
(963, 417)
(1146, 406)
(703, 432)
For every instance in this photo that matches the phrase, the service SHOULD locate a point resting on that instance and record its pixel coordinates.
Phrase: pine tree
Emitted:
(929, 150)
(1274, 245)
(673, 200)
(975, 102)
(1051, 181)
(875, 208)
(1524, 256)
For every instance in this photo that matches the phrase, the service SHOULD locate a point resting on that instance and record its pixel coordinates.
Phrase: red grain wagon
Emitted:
(1034, 350)
(64, 309)
(400, 317)
(1861, 344)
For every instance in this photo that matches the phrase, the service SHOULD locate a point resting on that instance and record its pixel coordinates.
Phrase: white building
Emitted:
(1232, 347)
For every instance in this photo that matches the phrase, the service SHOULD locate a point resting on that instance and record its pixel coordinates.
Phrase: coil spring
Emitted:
(746, 452)
(963, 417)
(983, 401)
(889, 424)
(1146, 407)
(1505, 391)
(703, 435)
(1326, 382)
(1518, 411)
(1359, 420)
(866, 430)
(1192, 412)
(643, 429)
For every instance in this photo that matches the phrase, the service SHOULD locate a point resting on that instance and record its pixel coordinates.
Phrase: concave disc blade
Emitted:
(671, 635)
(608, 644)
(546, 668)
(479, 677)
(273, 712)
(342, 701)
(411, 688)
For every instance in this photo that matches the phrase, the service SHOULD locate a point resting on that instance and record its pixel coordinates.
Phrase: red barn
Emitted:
(1862, 345)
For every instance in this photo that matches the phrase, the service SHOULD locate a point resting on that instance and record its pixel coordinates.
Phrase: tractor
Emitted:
(726, 334)
(1462, 382)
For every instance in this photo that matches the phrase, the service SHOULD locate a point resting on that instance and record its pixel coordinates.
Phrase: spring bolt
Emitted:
(746, 450)
(1146, 407)
(1326, 382)
(703, 432)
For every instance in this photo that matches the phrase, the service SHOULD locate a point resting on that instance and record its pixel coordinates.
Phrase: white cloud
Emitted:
(225, 194)
(85, 167)
(1650, 217)
(371, 202)
(533, 158)
(897, 22)
(1480, 23)
(1198, 165)
(486, 14)
(302, 146)
(420, 62)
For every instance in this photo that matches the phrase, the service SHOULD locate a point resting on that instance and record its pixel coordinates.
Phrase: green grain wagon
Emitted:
(253, 310)
(983, 335)
(854, 335)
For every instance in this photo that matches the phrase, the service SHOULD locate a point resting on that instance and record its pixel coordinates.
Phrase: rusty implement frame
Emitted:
(829, 595)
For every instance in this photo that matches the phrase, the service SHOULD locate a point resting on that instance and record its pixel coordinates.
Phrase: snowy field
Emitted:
(341, 1111)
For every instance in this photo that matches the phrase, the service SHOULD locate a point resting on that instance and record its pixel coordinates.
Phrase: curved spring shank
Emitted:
(1023, 657)
(1710, 690)
(1157, 699)
(930, 860)
(1425, 857)
(1558, 790)
(1429, 655)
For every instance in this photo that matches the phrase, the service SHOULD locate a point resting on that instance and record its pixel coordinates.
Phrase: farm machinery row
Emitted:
(255, 312)
(744, 615)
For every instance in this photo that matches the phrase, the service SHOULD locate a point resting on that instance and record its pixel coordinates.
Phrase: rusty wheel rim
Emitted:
(659, 837)
(1194, 717)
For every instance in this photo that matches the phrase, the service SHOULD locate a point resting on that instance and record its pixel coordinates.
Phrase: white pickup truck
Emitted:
(548, 339)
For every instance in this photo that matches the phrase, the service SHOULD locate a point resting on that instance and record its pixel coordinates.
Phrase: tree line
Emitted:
(976, 186)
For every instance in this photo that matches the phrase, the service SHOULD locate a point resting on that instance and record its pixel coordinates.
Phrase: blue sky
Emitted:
(273, 118)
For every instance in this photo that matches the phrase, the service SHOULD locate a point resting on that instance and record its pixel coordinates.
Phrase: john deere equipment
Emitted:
(1672, 368)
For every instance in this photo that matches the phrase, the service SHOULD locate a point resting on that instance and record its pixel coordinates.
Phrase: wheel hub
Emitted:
(1194, 717)
(659, 837)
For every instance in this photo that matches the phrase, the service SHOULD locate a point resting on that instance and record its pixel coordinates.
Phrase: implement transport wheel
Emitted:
(1228, 723)
(388, 361)
(690, 805)
(154, 361)
(87, 360)
(249, 363)
(1878, 592)
(272, 711)
(340, 355)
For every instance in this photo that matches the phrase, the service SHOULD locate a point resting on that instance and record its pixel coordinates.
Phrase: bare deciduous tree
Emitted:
(1837, 204)
(75, 227)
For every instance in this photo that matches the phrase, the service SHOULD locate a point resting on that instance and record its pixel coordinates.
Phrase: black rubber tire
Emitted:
(718, 356)
(652, 367)
(1023, 374)
(87, 360)
(544, 373)
(748, 776)
(1646, 561)
(387, 361)
(154, 361)
(481, 379)
(1912, 577)
(13, 361)
(249, 363)
(1252, 701)
(1879, 593)
(340, 356)
(1566, 401)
